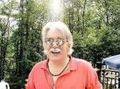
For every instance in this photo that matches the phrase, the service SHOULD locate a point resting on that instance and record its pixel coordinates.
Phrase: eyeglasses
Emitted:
(51, 41)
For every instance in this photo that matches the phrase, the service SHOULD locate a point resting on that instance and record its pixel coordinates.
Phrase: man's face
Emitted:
(56, 45)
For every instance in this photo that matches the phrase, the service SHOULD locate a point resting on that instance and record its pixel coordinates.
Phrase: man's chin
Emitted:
(55, 58)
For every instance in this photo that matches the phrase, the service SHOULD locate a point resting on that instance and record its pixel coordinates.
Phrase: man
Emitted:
(60, 70)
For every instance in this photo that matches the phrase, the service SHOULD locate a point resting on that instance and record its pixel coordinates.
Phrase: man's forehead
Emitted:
(55, 32)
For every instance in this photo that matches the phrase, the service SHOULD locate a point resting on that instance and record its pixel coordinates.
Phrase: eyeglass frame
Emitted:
(56, 41)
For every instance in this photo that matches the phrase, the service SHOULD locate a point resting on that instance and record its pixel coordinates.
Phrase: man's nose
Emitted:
(55, 44)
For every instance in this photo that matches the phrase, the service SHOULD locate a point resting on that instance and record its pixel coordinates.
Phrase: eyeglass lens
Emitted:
(51, 41)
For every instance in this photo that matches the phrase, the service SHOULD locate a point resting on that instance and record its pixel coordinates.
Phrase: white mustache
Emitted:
(55, 50)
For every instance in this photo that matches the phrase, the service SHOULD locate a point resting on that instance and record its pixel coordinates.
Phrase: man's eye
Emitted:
(49, 41)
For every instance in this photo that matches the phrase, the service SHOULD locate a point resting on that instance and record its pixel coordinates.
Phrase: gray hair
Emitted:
(58, 26)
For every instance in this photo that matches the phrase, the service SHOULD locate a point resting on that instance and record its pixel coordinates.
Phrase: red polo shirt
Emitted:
(80, 75)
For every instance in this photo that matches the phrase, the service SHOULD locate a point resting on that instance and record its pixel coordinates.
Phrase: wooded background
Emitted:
(95, 25)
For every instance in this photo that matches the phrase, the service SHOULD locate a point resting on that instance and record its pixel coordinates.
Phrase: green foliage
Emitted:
(95, 27)
(87, 45)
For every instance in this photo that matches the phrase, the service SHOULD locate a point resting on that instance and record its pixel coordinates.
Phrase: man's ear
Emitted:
(69, 45)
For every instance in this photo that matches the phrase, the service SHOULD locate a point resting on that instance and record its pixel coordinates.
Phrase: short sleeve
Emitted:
(92, 79)
(30, 82)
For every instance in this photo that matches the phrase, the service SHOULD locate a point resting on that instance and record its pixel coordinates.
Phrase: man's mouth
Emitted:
(55, 51)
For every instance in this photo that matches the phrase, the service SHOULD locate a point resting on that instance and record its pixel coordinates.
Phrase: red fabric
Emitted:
(80, 75)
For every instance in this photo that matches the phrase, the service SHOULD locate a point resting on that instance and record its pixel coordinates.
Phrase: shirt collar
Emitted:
(73, 64)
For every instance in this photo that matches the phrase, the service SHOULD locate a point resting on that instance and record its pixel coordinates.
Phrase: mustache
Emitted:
(55, 50)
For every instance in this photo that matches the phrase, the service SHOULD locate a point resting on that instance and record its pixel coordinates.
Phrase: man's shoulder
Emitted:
(81, 62)
(41, 64)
